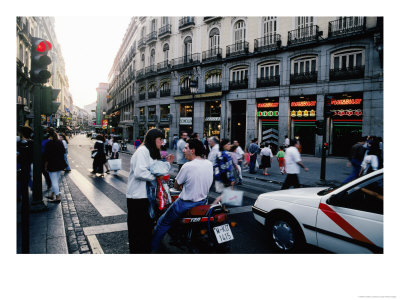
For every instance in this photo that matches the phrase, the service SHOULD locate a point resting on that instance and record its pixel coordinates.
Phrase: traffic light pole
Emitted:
(37, 200)
(323, 154)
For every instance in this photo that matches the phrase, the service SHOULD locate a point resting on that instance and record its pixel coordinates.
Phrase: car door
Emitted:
(352, 221)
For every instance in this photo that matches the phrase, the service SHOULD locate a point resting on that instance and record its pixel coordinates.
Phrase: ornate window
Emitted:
(239, 74)
(152, 57)
(268, 70)
(142, 60)
(269, 25)
(305, 64)
(165, 51)
(214, 39)
(187, 47)
(213, 77)
(348, 59)
(239, 31)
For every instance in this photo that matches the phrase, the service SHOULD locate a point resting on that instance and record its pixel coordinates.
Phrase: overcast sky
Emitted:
(89, 46)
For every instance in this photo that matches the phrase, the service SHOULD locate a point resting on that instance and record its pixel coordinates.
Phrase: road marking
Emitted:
(104, 205)
(99, 229)
(116, 183)
(94, 244)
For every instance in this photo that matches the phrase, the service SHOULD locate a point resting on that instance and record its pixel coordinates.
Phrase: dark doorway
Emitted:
(344, 137)
(306, 134)
(238, 123)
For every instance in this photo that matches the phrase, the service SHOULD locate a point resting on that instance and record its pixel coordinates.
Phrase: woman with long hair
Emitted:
(54, 164)
(140, 224)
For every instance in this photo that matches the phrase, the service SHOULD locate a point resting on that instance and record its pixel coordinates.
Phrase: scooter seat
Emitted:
(198, 211)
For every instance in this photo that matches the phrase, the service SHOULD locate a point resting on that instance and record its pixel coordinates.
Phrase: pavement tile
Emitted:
(57, 245)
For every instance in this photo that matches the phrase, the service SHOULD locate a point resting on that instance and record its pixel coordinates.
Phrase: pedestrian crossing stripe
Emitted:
(94, 244)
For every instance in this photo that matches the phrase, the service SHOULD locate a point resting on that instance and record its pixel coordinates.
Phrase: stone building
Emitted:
(247, 77)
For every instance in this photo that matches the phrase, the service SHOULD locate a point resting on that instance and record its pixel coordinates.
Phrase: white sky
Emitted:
(89, 46)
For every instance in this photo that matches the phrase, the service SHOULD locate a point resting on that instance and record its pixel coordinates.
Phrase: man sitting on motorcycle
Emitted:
(194, 179)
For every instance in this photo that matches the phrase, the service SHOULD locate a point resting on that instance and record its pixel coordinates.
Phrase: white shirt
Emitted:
(139, 173)
(212, 156)
(196, 177)
(180, 158)
(287, 142)
(115, 147)
(292, 157)
(266, 151)
(239, 153)
(370, 161)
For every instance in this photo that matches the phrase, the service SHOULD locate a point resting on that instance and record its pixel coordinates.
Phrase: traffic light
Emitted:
(40, 60)
(325, 146)
(320, 127)
(49, 104)
(328, 107)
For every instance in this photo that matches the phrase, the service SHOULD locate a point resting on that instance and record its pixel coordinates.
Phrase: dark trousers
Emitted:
(140, 226)
(46, 175)
(252, 164)
(291, 180)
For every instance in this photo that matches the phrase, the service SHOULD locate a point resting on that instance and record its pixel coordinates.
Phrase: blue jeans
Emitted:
(176, 210)
(55, 178)
(356, 170)
(66, 161)
(252, 164)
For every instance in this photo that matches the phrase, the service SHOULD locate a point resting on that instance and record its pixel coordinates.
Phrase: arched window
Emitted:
(187, 48)
(153, 25)
(239, 31)
(304, 65)
(165, 51)
(214, 39)
(143, 61)
(239, 74)
(268, 70)
(269, 26)
(152, 57)
(348, 59)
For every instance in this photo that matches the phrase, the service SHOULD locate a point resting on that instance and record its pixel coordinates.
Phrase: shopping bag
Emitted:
(232, 197)
(115, 164)
(163, 196)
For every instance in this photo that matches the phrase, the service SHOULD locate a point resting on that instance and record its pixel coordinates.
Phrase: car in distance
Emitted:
(347, 219)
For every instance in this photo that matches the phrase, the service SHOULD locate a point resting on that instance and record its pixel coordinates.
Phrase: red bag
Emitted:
(163, 197)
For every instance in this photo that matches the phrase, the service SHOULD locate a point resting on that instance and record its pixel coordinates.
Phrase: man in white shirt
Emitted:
(292, 165)
(195, 179)
(239, 155)
(180, 158)
(287, 141)
(214, 145)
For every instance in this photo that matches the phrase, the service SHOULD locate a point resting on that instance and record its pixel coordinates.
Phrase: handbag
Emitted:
(115, 164)
(232, 197)
(94, 153)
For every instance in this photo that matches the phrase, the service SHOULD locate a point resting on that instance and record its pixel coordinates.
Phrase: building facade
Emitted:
(248, 77)
(41, 27)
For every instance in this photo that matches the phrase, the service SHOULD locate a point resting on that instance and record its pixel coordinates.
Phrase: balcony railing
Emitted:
(152, 94)
(306, 77)
(151, 70)
(141, 43)
(347, 73)
(165, 93)
(164, 31)
(164, 66)
(185, 91)
(268, 81)
(212, 54)
(140, 74)
(213, 87)
(151, 37)
(185, 22)
(267, 43)
(303, 35)
(238, 84)
(346, 26)
(142, 96)
(187, 60)
(237, 49)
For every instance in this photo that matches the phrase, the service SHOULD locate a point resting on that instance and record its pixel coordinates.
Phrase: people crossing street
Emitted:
(253, 151)
(292, 165)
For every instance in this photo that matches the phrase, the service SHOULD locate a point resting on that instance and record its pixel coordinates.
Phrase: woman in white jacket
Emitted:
(140, 225)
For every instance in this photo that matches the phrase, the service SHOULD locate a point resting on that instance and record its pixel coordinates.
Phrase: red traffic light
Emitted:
(43, 46)
(325, 144)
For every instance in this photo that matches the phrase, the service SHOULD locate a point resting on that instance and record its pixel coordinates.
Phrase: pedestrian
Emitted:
(292, 164)
(64, 140)
(100, 158)
(137, 143)
(195, 186)
(140, 224)
(24, 160)
(280, 156)
(223, 167)
(356, 158)
(266, 158)
(115, 150)
(44, 172)
(180, 158)
(213, 142)
(287, 142)
(54, 164)
(206, 147)
(175, 142)
(236, 166)
(371, 160)
(253, 150)
(246, 161)
(109, 145)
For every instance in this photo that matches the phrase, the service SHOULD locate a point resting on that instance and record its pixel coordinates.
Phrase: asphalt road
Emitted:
(101, 205)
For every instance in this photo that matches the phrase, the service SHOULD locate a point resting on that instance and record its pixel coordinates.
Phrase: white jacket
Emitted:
(139, 173)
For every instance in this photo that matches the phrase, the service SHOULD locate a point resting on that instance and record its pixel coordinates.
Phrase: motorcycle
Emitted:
(202, 229)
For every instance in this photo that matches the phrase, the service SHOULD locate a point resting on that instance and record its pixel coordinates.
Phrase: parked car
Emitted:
(348, 219)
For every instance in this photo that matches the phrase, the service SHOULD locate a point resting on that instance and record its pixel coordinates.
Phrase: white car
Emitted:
(348, 219)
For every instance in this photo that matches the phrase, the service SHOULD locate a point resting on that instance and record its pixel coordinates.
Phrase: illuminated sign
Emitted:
(347, 112)
(267, 113)
(262, 105)
(346, 101)
(302, 113)
(185, 121)
(105, 123)
(303, 103)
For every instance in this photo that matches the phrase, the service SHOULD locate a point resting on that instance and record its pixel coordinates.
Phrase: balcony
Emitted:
(165, 93)
(214, 54)
(142, 96)
(141, 43)
(151, 37)
(267, 43)
(304, 35)
(152, 94)
(186, 22)
(237, 49)
(151, 70)
(185, 61)
(346, 26)
(268, 81)
(164, 31)
(164, 66)
(185, 91)
(239, 84)
(347, 73)
(213, 87)
(140, 74)
(306, 77)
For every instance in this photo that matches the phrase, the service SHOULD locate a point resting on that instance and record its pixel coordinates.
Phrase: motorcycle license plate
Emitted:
(223, 233)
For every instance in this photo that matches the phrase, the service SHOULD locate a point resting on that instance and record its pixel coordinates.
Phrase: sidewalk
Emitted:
(336, 170)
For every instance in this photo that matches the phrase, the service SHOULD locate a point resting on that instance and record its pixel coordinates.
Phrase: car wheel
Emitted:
(285, 235)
